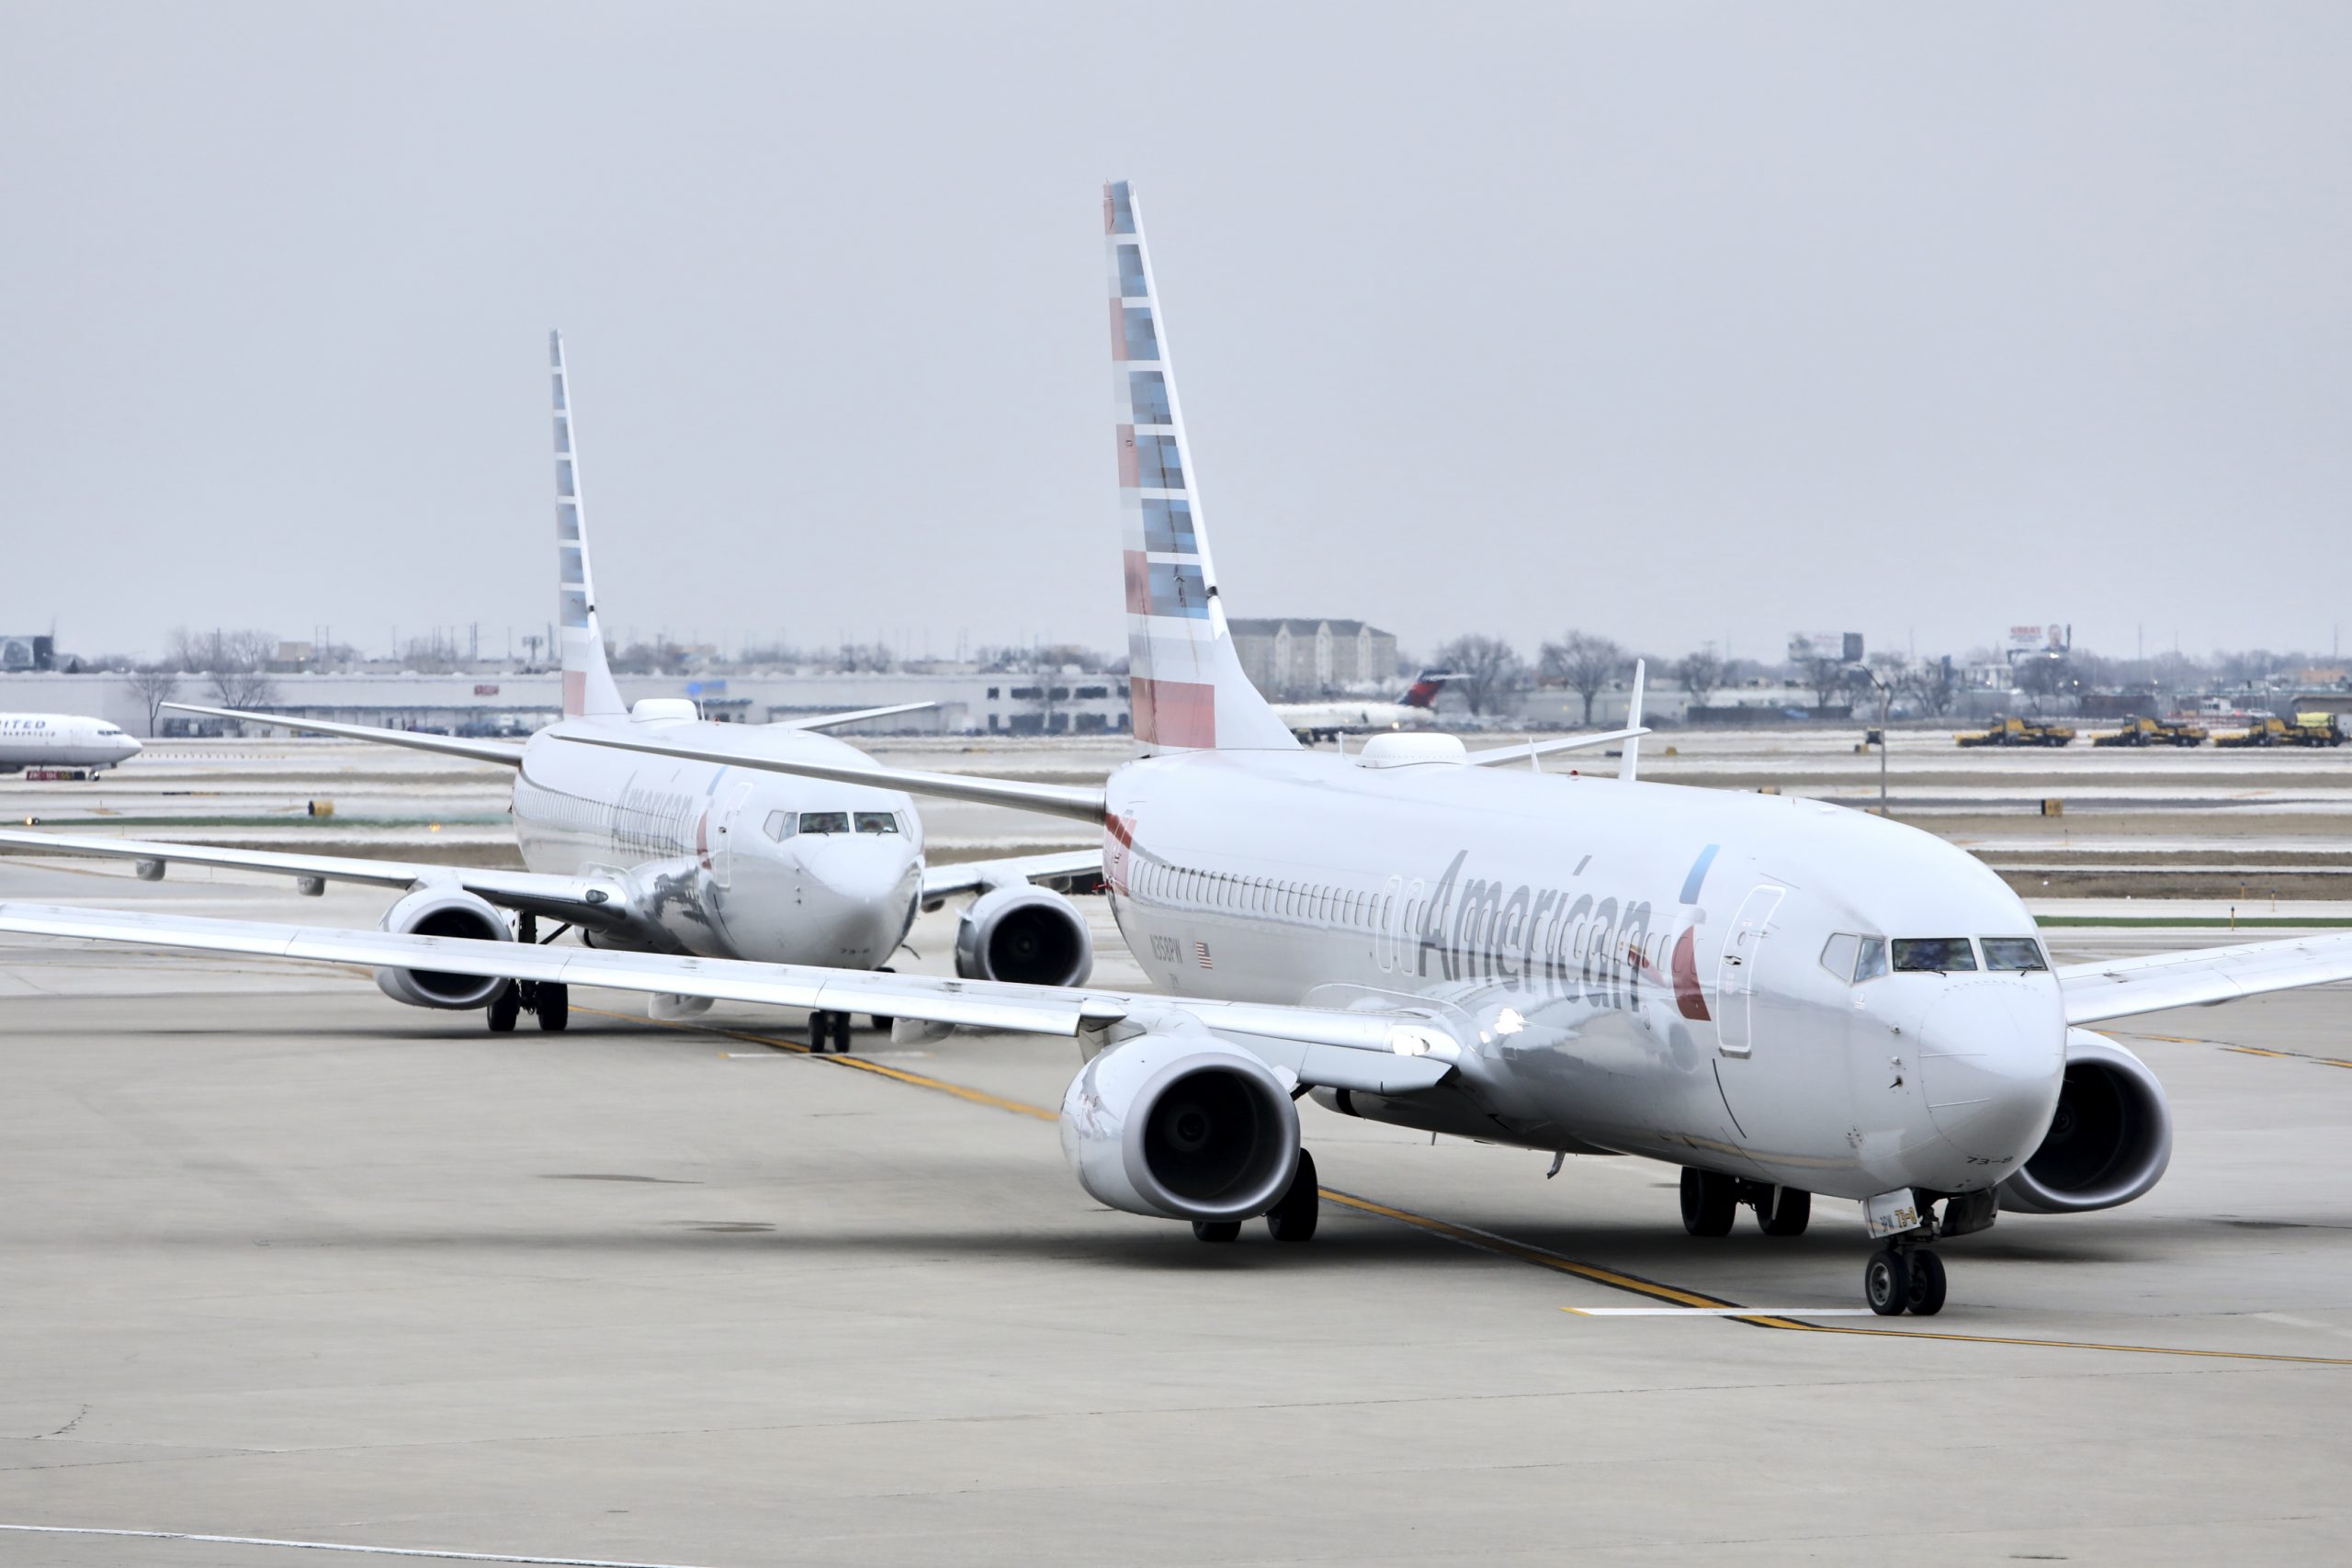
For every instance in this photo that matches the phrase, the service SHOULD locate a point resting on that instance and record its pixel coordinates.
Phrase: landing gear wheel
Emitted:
(1293, 1217)
(505, 1008)
(1926, 1294)
(1886, 1282)
(1710, 1202)
(1216, 1230)
(1785, 1212)
(820, 1025)
(554, 1008)
(841, 1033)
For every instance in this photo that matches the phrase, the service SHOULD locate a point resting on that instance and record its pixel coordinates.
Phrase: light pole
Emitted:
(1885, 698)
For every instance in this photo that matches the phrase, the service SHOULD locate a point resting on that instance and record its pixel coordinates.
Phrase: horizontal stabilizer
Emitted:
(509, 753)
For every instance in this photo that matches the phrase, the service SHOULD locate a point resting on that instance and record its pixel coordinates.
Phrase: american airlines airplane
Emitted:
(658, 856)
(61, 740)
(1783, 997)
(1416, 708)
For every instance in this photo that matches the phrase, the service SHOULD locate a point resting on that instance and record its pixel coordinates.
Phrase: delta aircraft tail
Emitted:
(1185, 683)
(587, 682)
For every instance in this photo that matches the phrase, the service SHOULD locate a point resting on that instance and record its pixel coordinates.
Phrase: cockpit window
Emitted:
(1852, 957)
(779, 826)
(1936, 954)
(2013, 953)
(1873, 963)
(824, 821)
(876, 822)
(1837, 954)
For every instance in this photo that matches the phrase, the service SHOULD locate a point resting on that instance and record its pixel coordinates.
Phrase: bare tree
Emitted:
(1931, 685)
(1826, 677)
(1699, 674)
(243, 688)
(1584, 663)
(156, 684)
(1484, 669)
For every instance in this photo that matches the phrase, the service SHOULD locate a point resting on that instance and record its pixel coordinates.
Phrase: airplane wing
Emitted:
(832, 720)
(1376, 1052)
(509, 753)
(2202, 976)
(1497, 756)
(987, 876)
(1055, 800)
(597, 903)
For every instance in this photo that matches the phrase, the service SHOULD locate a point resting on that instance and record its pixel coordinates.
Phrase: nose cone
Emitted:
(130, 749)
(862, 890)
(1992, 1055)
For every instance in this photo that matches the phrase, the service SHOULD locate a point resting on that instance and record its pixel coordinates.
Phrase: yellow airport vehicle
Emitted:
(2019, 732)
(2154, 732)
(2303, 729)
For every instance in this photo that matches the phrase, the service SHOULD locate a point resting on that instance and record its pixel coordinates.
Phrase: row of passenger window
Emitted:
(1858, 958)
(1217, 889)
(783, 825)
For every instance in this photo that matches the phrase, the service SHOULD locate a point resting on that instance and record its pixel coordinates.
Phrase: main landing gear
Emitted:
(825, 1026)
(1291, 1219)
(1712, 1201)
(547, 1003)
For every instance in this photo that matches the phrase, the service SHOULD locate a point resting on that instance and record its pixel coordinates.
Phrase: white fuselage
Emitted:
(726, 862)
(1640, 966)
(61, 741)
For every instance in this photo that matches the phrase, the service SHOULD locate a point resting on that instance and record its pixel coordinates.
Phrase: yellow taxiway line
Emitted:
(1487, 1241)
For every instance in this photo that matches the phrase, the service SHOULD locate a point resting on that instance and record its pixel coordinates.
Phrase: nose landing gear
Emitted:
(1898, 1279)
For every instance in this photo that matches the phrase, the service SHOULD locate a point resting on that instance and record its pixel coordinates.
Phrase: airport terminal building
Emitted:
(969, 702)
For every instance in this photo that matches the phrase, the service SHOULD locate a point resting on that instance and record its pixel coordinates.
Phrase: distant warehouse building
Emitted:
(1308, 659)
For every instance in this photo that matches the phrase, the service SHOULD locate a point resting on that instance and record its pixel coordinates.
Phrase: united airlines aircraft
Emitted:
(61, 740)
(1783, 997)
(654, 855)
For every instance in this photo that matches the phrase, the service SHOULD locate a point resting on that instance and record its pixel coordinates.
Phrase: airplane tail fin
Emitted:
(1186, 683)
(587, 682)
(1422, 692)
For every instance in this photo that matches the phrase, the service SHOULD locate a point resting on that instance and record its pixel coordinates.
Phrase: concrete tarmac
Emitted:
(286, 1261)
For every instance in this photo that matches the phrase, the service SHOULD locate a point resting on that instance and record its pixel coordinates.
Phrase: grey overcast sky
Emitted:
(1678, 324)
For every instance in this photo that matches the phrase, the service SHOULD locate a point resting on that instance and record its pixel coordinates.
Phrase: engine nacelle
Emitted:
(443, 911)
(1180, 1126)
(1025, 934)
(2109, 1141)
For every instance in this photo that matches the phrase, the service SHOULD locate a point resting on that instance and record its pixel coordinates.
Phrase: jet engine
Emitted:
(443, 911)
(2109, 1141)
(1180, 1126)
(1025, 934)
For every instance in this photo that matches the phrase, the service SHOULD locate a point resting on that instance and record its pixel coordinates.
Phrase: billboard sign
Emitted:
(27, 652)
(1846, 648)
(2053, 638)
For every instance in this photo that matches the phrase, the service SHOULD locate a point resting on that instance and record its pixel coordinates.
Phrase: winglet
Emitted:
(1631, 758)
(587, 680)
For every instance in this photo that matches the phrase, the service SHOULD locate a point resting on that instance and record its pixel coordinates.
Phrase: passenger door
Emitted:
(1736, 970)
(727, 823)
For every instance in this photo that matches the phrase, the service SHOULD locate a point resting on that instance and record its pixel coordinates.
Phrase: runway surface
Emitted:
(288, 1263)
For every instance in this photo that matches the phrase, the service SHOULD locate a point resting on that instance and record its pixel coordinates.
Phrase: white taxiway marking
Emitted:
(1722, 1311)
(813, 1057)
(340, 1546)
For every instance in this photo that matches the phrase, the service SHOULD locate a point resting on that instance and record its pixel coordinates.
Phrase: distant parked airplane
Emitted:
(61, 741)
(1415, 709)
